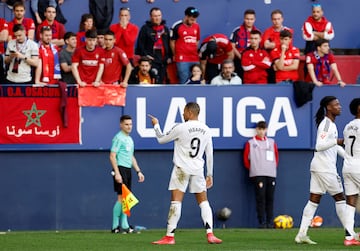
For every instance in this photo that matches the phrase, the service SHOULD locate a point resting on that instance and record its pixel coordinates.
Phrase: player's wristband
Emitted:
(138, 171)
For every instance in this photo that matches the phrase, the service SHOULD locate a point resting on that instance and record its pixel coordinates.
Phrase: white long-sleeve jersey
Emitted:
(191, 140)
(352, 147)
(326, 148)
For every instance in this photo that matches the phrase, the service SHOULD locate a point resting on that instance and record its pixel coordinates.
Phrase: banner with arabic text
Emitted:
(38, 115)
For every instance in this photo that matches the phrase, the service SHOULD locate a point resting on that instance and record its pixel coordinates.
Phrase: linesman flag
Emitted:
(128, 200)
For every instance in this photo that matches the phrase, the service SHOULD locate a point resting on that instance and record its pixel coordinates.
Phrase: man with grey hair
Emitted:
(227, 75)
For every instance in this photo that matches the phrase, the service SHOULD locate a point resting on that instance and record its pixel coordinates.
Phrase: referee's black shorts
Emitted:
(125, 173)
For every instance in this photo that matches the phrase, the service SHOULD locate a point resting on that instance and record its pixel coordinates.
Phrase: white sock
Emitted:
(340, 207)
(173, 218)
(308, 215)
(207, 216)
(349, 220)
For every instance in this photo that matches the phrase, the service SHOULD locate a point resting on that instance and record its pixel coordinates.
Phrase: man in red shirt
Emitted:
(19, 18)
(286, 59)
(213, 51)
(125, 33)
(271, 37)
(240, 38)
(184, 41)
(115, 59)
(58, 29)
(88, 62)
(320, 63)
(316, 26)
(255, 61)
(48, 69)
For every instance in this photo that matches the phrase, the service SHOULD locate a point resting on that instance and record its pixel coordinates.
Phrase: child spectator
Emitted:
(196, 77)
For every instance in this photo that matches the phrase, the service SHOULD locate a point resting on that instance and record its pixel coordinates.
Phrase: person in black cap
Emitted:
(185, 37)
(213, 51)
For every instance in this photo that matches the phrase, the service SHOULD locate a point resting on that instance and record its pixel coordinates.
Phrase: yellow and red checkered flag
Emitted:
(128, 200)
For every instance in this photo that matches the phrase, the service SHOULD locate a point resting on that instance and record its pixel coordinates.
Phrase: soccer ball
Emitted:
(317, 221)
(283, 221)
(224, 213)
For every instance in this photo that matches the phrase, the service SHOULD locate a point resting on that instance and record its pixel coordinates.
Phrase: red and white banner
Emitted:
(102, 95)
(33, 115)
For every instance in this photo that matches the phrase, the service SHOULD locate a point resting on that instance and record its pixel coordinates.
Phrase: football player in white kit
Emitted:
(351, 171)
(191, 140)
(324, 176)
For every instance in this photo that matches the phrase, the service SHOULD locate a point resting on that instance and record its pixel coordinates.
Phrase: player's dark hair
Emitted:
(354, 106)
(193, 107)
(124, 117)
(91, 34)
(18, 27)
(68, 35)
(285, 33)
(109, 32)
(249, 11)
(255, 32)
(320, 42)
(261, 124)
(124, 8)
(144, 59)
(153, 9)
(320, 114)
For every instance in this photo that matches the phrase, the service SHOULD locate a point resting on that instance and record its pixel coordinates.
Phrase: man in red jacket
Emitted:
(316, 26)
(255, 61)
(125, 33)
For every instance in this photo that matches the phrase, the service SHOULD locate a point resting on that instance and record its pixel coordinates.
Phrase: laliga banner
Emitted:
(32, 115)
(231, 112)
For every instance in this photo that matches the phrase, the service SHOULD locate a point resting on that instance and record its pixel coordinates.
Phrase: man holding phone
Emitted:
(21, 54)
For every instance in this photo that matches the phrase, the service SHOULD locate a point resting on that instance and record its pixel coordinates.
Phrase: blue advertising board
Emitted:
(230, 111)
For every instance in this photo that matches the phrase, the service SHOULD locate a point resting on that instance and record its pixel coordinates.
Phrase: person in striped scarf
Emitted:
(48, 69)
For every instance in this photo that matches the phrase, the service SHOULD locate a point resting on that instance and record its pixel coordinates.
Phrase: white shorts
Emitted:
(320, 183)
(180, 181)
(351, 183)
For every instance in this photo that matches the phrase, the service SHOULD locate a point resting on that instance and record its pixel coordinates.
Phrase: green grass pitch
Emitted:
(186, 240)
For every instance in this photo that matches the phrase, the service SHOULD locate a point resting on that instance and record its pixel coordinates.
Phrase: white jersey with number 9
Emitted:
(191, 140)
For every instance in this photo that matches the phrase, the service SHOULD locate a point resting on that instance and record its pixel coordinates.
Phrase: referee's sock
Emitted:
(116, 214)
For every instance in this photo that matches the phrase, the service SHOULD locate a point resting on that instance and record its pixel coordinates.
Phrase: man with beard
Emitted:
(185, 36)
(48, 69)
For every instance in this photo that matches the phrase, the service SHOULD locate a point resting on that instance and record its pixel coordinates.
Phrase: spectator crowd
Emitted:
(42, 52)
